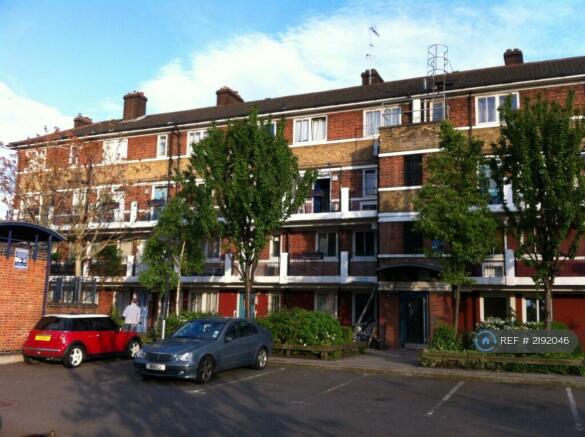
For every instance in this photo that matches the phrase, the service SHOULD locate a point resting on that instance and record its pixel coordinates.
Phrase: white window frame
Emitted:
(310, 139)
(165, 153)
(194, 137)
(153, 190)
(497, 97)
(511, 304)
(73, 155)
(383, 121)
(364, 171)
(353, 245)
(525, 308)
(120, 154)
(209, 301)
(37, 159)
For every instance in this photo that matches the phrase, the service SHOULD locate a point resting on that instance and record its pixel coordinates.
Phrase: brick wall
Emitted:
(142, 147)
(390, 238)
(21, 301)
(440, 310)
(300, 242)
(391, 171)
(341, 125)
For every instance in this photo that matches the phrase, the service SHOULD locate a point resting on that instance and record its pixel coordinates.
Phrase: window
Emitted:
(115, 150)
(159, 200)
(437, 110)
(78, 198)
(275, 247)
(535, 310)
(196, 136)
(232, 332)
(413, 170)
(204, 302)
(380, 117)
(487, 107)
(495, 306)
(271, 128)
(36, 159)
(325, 302)
(491, 185)
(412, 240)
(327, 243)
(322, 195)
(370, 182)
(310, 129)
(212, 249)
(162, 146)
(364, 243)
(73, 155)
(246, 329)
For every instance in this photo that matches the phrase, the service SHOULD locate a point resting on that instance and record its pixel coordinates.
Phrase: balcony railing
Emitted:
(269, 267)
(493, 267)
(362, 266)
(74, 290)
(313, 264)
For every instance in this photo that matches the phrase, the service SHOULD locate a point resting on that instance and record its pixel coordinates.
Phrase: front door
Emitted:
(413, 318)
(143, 301)
(242, 306)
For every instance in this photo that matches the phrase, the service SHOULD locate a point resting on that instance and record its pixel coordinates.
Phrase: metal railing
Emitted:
(268, 267)
(313, 264)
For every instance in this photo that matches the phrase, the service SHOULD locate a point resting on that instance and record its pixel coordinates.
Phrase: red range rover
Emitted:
(73, 338)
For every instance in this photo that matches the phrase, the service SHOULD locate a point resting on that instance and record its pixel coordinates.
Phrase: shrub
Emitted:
(174, 322)
(116, 317)
(347, 334)
(298, 326)
(445, 339)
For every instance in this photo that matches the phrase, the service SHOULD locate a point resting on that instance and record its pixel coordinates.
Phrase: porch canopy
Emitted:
(11, 231)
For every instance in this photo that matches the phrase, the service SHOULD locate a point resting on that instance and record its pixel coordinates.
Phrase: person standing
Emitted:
(131, 316)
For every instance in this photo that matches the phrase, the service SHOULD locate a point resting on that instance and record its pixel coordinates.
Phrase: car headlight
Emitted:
(141, 354)
(187, 356)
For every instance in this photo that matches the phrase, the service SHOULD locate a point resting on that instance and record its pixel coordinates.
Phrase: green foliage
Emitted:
(453, 206)
(538, 155)
(347, 334)
(174, 322)
(116, 317)
(446, 339)
(255, 181)
(176, 240)
(109, 259)
(299, 326)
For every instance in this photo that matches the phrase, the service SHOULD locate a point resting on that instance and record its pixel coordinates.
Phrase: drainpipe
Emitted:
(47, 273)
(469, 120)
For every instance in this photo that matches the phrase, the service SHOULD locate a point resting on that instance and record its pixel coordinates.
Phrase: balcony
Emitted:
(313, 264)
(324, 209)
(362, 266)
(72, 291)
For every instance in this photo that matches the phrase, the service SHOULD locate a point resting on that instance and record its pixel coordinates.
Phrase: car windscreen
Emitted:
(201, 329)
(54, 324)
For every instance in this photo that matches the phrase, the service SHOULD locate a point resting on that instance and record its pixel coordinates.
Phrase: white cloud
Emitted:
(329, 51)
(21, 117)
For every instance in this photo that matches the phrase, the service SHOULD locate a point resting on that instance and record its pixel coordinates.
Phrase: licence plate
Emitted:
(154, 366)
(43, 337)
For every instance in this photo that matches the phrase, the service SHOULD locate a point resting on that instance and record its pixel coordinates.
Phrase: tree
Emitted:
(174, 246)
(538, 155)
(453, 210)
(7, 181)
(256, 185)
(69, 184)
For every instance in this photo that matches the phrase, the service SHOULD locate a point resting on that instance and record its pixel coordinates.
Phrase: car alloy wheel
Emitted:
(74, 357)
(206, 369)
(261, 359)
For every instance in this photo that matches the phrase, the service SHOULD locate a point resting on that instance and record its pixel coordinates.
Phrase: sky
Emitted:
(58, 59)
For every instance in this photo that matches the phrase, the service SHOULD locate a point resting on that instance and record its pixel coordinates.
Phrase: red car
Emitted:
(73, 338)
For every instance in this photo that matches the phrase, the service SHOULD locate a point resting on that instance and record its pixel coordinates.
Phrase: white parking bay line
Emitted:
(574, 411)
(332, 389)
(235, 381)
(445, 399)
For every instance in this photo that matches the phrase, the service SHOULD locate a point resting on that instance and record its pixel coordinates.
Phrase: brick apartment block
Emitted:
(355, 236)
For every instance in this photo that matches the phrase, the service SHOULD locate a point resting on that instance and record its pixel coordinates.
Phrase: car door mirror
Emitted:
(228, 338)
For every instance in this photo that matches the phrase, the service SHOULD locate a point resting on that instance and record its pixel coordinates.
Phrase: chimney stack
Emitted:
(227, 96)
(513, 57)
(371, 76)
(81, 120)
(134, 105)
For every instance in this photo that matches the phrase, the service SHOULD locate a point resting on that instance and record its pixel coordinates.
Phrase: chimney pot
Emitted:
(370, 77)
(134, 105)
(227, 96)
(513, 57)
(81, 120)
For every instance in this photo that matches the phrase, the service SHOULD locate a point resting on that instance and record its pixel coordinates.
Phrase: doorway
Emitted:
(413, 318)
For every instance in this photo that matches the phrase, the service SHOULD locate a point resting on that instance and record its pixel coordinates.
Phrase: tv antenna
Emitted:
(372, 31)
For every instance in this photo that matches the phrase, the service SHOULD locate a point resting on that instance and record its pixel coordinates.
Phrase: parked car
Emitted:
(73, 338)
(202, 347)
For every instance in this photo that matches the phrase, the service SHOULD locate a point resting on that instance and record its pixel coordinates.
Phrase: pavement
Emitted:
(407, 363)
(106, 398)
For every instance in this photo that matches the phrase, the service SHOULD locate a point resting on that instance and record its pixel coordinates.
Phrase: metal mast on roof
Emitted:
(370, 54)
(438, 66)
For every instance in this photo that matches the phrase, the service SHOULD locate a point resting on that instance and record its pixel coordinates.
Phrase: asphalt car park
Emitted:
(104, 398)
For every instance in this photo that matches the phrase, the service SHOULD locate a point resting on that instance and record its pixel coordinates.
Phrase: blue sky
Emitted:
(60, 58)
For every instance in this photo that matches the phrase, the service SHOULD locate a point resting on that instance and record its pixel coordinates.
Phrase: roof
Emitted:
(459, 80)
(24, 231)
(76, 316)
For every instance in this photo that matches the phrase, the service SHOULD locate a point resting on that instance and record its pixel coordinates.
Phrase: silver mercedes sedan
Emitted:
(203, 347)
